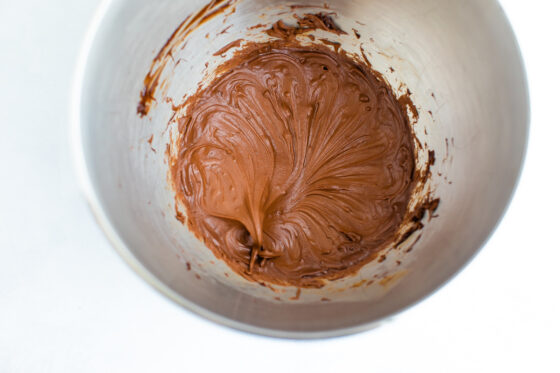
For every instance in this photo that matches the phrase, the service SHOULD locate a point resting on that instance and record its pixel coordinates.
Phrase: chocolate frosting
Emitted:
(295, 165)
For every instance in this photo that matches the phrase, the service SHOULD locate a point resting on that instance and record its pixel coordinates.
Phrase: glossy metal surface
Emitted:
(461, 61)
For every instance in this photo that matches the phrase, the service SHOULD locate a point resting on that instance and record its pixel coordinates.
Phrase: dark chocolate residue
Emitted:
(363, 52)
(406, 102)
(165, 54)
(309, 22)
(333, 44)
(233, 44)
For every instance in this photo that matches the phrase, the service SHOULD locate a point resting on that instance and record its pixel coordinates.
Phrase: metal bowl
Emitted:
(459, 59)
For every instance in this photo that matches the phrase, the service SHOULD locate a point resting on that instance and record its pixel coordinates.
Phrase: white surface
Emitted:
(68, 303)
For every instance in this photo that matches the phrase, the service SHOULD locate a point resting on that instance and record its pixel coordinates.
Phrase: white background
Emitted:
(68, 303)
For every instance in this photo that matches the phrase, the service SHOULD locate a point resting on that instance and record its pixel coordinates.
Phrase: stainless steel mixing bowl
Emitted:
(459, 59)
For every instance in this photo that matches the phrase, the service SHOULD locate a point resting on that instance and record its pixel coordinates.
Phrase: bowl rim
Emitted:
(92, 199)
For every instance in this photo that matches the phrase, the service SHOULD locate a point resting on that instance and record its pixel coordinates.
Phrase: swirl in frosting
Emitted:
(295, 165)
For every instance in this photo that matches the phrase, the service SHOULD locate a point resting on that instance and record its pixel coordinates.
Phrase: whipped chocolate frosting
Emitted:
(296, 164)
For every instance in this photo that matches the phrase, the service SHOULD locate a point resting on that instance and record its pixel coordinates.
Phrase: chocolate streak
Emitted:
(151, 81)
(295, 165)
(309, 22)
